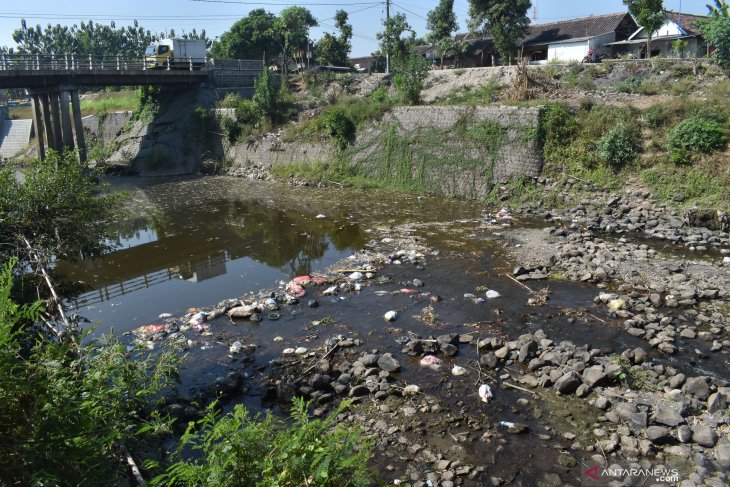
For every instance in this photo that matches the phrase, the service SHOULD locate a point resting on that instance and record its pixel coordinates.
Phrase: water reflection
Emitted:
(220, 247)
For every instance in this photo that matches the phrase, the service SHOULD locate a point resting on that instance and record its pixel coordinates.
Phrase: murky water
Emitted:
(194, 242)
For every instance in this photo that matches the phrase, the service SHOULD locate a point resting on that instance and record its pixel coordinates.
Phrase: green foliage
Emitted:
(698, 134)
(267, 90)
(231, 129)
(441, 22)
(481, 95)
(392, 39)
(334, 50)
(238, 450)
(620, 146)
(648, 14)
(248, 112)
(408, 79)
(110, 102)
(716, 31)
(339, 126)
(251, 37)
(148, 105)
(505, 20)
(56, 208)
(68, 410)
(229, 101)
(637, 85)
(699, 187)
(90, 39)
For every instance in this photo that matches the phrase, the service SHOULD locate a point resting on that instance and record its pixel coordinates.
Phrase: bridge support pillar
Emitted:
(53, 109)
(38, 126)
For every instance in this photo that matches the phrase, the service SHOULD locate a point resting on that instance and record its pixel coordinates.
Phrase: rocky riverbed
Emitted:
(599, 336)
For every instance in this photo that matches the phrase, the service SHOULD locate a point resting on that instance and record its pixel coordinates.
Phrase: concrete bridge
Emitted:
(53, 83)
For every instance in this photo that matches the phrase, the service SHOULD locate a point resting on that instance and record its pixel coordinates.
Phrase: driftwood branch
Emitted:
(133, 466)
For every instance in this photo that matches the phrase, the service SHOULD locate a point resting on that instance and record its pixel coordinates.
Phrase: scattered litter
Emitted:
(391, 316)
(430, 360)
(726, 260)
(288, 351)
(301, 280)
(408, 291)
(616, 305)
(411, 389)
(356, 276)
(235, 347)
(485, 393)
(243, 312)
(165, 315)
(197, 319)
(295, 289)
(150, 329)
(358, 287)
(274, 316)
(320, 216)
(481, 300)
(469, 296)
(193, 310)
(492, 294)
(457, 370)
(301, 350)
(332, 290)
(508, 424)
(418, 283)
(278, 339)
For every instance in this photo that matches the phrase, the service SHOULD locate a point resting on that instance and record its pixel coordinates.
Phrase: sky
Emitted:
(216, 16)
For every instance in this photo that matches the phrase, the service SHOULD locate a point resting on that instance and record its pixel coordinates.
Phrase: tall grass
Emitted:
(110, 102)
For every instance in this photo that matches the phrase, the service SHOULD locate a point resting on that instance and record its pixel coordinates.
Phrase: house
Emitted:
(676, 27)
(572, 40)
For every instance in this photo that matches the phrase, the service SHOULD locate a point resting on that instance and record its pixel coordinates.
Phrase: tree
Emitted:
(291, 32)
(249, 38)
(392, 40)
(334, 50)
(441, 21)
(408, 78)
(716, 31)
(505, 20)
(649, 14)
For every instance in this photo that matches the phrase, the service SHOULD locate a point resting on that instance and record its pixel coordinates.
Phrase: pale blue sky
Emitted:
(216, 16)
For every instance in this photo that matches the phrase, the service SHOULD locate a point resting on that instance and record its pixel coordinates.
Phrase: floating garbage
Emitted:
(357, 287)
(332, 290)
(485, 393)
(469, 296)
(726, 260)
(390, 316)
(616, 305)
(508, 424)
(243, 312)
(430, 360)
(301, 350)
(408, 291)
(301, 280)
(492, 294)
(150, 329)
(278, 339)
(274, 316)
(288, 351)
(197, 319)
(295, 289)
(235, 347)
(457, 370)
(320, 216)
(165, 315)
(411, 389)
(356, 276)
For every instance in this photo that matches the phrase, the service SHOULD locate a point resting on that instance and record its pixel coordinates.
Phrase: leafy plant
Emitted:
(620, 146)
(240, 450)
(408, 79)
(248, 112)
(266, 93)
(695, 135)
(336, 124)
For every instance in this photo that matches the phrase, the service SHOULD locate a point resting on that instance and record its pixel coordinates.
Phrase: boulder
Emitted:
(568, 383)
(387, 362)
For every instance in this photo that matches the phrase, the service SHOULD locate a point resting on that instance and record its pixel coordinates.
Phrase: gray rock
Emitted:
(704, 435)
(594, 376)
(568, 383)
(676, 381)
(658, 434)
(722, 455)
(369, 360)
(716, 402)
(638, 420)
(449, 349)
(698, 387)
(359, 390)
(684, 434)
(387, 362)
(488, 360)
(667, 415)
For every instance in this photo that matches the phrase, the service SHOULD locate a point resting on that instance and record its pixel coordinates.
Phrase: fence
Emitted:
(73, 62)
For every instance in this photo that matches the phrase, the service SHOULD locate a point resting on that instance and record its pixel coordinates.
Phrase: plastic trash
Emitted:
(197, 319)
(390, 316)
(408, 291)
(616, 305)
(301, 350)
(295, 289)
(278, 339)
(330, 291)
(508, 424)
(469, 296)
(356, 276)
(358, 287)
(492, 294)
(273, 316)
(411, 389)
(485, 393)
(726, 260)
(150, 329)
(457, 370)
(320, 216)
(301, 280)
(165, 315)
(288, 351)
(430, 360)
(235, 347)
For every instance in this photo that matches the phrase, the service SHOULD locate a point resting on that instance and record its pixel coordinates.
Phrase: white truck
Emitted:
(176, 54)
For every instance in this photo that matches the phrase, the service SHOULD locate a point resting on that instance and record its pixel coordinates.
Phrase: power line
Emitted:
(410, 12)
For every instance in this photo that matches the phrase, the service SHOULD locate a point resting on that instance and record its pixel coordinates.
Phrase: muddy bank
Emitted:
(572, 384)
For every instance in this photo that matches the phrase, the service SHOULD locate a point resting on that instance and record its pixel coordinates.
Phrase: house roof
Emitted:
(689, 23)
(581, 28)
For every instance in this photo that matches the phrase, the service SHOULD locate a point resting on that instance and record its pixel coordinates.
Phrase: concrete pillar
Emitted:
(78, 125)
(66, 131)
(38, 126)
(47, 124)
(56, 119)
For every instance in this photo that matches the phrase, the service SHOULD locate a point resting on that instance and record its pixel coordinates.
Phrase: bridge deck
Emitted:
(47, 78)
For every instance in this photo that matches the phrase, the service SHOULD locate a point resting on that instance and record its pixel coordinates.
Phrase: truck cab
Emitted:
(159, 55)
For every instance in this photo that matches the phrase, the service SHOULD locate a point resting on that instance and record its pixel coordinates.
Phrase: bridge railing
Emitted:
(73, 62)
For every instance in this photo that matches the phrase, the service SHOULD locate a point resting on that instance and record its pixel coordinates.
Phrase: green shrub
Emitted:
(655, 117)
(231, 129)
(632, 84)
(557, 127)
(620, 146)
(267, 90)
(408, 79)
(229, 101)
(379, 95)
(248, 113)
(336, 124)
(695, 135)
(240, 450)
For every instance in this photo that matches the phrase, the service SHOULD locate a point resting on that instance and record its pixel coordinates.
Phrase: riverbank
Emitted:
(626, 364)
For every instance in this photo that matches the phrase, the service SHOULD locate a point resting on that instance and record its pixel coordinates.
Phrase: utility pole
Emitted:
(387, 36)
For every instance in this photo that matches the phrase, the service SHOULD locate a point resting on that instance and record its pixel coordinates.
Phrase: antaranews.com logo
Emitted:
(598, 475)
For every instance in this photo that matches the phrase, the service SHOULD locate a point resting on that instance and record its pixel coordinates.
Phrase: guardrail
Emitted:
(73, 62)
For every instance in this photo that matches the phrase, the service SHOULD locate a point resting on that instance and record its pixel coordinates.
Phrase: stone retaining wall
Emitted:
(106, 127)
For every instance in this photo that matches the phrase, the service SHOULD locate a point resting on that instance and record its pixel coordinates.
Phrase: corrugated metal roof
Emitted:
(585, 27)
